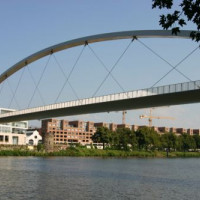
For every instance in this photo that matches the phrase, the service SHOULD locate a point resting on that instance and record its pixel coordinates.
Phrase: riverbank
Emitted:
(83, 152)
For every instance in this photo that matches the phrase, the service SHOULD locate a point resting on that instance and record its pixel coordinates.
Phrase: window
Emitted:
(15, 140)
(6, 138)
(1, 138)
(30, 142)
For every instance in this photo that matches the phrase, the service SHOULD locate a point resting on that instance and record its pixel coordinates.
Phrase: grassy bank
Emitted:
(83, 152)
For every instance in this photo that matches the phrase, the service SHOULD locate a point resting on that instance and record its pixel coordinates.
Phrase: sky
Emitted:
(30, 26)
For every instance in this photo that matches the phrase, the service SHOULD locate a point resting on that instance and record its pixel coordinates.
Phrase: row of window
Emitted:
(80, 137)
(4, 138)
(4, 129)
(73, 141)
(71, 133)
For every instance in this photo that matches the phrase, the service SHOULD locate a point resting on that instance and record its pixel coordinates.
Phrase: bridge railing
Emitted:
(180, 87)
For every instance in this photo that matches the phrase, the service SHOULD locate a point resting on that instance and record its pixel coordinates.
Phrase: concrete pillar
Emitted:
(48, 141)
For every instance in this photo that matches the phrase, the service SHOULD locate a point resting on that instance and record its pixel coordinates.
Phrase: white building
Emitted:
(13, 133)
(33, 138)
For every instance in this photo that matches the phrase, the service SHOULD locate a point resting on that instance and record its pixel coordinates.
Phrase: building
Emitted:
(69, 132)
(13, 133)
(134, 127)
(102, 124)
(190, 131)
(113, 127)
(172, 130)
(163, 129)
(181, 130)
(33, 137)
(196, 131)
(123, 126)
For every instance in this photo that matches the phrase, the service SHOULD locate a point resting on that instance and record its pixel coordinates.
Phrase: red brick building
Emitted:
(65, 131)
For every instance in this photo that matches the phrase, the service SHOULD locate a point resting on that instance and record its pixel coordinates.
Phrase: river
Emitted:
(59, 178)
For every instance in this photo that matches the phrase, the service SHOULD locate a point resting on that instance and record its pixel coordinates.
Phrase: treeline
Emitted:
(145, 139)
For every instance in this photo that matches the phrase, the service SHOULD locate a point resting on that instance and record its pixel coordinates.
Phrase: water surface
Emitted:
(60, 178)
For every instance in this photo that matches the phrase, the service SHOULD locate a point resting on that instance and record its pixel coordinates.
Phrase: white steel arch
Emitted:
(92, 39)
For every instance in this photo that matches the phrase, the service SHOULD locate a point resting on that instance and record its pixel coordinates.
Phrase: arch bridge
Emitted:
(182, 93)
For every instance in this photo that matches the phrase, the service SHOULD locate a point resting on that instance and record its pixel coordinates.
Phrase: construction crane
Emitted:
(150, 117)
(124, 116)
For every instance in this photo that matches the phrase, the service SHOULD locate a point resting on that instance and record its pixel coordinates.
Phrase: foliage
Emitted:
(189, 11)
(40, 147)
(124, 135)
(186, 142)
(145, 142)
(101, 135)
(145, 139)
(169, 141)
(197, 141)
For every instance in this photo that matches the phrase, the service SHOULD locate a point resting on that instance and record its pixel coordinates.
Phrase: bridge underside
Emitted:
(169, 99)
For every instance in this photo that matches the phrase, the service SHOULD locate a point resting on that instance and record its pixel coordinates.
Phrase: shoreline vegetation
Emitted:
(143, 143)
(84, 152)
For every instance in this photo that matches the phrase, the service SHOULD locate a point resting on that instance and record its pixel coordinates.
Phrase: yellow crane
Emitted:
(150, 117)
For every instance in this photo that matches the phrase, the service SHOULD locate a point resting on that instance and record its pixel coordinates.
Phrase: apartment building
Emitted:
(66, 132)
(13, 133)
(123, 126)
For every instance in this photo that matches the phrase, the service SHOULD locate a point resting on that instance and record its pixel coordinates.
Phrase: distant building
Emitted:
(33, 137)
(13, 133)
(190, 131)
(67, 132)
(172, 130)
(155, 128)
(196, 131)
(181, 130)
(101, 124)
(113, 127)
(134, 127)
(123, 126)
(163, 129)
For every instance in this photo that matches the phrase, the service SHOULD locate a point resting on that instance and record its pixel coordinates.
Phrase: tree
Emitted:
(101, 135)
(147, 138)
(133, 140)
(197, 141)
(186, 142)
(189, 12)
(124, 138)
(113, 139)
(169, 141)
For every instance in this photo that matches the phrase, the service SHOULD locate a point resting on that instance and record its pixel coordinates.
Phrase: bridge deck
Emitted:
(182, 93)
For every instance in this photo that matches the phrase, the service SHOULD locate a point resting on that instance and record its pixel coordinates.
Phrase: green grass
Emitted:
(83, 152)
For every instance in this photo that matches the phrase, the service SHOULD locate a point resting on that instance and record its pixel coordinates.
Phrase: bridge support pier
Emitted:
(48, 141)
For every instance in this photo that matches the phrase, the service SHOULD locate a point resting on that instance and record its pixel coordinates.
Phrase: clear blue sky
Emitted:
(29, 26)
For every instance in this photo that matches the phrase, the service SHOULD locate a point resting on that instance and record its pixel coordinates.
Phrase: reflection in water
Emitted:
(96, 178)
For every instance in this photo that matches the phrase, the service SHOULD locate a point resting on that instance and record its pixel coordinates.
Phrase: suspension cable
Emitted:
(70, 73)
(42, 99)
(39, 80)
(176, 67)
(61, 69)
(13, 94)
(173, 67)
(113, 67)
(103, 64)
(20, 78)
